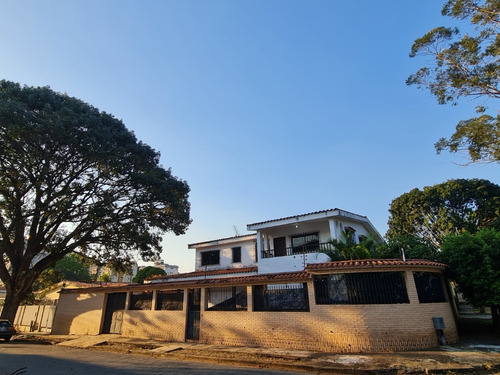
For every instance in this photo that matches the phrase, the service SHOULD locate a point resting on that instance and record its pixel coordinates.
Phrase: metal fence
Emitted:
(280, 297)
(361, 288)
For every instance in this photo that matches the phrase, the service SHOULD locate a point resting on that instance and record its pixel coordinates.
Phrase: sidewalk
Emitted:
(441, 360)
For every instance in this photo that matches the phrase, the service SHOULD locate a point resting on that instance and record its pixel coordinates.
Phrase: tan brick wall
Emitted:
(78, 314)
(158, 325)
(336, 328)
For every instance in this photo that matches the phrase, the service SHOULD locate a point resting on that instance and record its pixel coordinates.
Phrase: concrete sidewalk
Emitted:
(441, 360)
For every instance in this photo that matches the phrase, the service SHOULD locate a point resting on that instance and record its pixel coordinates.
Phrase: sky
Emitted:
(266, 108)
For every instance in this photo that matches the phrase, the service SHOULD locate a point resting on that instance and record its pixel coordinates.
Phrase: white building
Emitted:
(282, 245)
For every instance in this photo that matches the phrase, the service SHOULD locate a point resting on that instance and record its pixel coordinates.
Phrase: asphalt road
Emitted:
(18, 358)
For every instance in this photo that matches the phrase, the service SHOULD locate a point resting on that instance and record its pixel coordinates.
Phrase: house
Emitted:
(275, 288)
(283, 245)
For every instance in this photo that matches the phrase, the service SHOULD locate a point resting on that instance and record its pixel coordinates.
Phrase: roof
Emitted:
(295, 216)
(227, 271)
(317, 215)
(237, 280)
(221, 240)
(372, 263)
(283, 277)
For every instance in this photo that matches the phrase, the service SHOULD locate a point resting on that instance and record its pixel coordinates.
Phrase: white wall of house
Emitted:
(225, 249)
(327, 228)
(290, 263)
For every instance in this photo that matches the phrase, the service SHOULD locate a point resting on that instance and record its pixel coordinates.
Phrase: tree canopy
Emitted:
(409, 247)
(447, 208)
(147, 272)
(474, 262)
(73, 267)
(74, 179)
(465, 65)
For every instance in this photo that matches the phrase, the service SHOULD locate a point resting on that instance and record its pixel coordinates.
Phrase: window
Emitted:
(350, 234)
(429, 287)
(210, 257)
(236, 254)
(232, 298)
(305, 243)
(281, 297)
(169, 299)
(141, 300)
(360, 288)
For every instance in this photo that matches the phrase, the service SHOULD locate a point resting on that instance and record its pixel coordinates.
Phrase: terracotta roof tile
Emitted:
(282, 277)
(372, 263)
(227, 271)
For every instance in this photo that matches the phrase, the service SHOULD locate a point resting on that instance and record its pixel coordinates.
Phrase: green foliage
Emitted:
(479, 137)
(73, 267)
(47, 279)
(447, 208)
(465, 65)
(412, 246)
(474, 262)
(73, 179)
(346, 248)
(147, 272)
(105, 278)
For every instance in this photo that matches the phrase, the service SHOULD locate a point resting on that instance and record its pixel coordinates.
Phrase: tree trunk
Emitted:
(495, 315)
(12, 301)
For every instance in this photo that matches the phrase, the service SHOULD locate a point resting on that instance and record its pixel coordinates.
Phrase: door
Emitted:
(113, 317)
(279, 244)
(193, 314)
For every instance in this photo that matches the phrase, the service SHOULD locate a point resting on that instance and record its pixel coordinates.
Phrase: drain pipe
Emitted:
(439, 326)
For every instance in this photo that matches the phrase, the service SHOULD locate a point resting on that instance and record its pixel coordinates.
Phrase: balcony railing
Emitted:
(296, 250)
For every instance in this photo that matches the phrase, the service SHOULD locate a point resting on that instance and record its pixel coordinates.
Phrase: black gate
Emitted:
(193, 315)
(113, 316)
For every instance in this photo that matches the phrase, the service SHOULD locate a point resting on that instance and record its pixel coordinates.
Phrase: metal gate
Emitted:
(113, 317)
(193, 315)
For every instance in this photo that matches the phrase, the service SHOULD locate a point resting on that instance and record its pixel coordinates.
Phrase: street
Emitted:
(18, 358)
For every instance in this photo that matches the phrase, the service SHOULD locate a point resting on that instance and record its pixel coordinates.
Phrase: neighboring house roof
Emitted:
(283, 277)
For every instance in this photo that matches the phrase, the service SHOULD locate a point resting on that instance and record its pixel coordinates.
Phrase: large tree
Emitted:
(474, 262)
(447, 208)
(74, 179)
(147, 272)
(465, 65)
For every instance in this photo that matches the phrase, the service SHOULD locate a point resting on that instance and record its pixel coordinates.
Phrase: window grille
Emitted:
(429, 287)
(141, 300)
(281, 297)
(209, 258)
(305, 243)
(227, 298)
(169, 299)
(236, 254)
(361, 288)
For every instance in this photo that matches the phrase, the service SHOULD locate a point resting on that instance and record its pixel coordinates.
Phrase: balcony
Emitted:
(309, 248)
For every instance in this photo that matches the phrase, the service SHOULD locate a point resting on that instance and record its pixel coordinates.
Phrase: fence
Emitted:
(34, 318)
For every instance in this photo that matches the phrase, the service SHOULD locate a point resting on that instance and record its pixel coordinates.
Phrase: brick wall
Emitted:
(157, 325)
(78, 314)
(334, 328)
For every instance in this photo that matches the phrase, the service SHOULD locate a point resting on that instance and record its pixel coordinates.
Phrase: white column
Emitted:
(259, 246)
(333, 228)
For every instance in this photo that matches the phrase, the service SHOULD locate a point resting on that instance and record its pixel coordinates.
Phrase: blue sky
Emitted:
(266, 108)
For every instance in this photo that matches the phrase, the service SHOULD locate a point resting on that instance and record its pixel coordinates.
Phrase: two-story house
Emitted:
(283, 245)
(276, 288)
